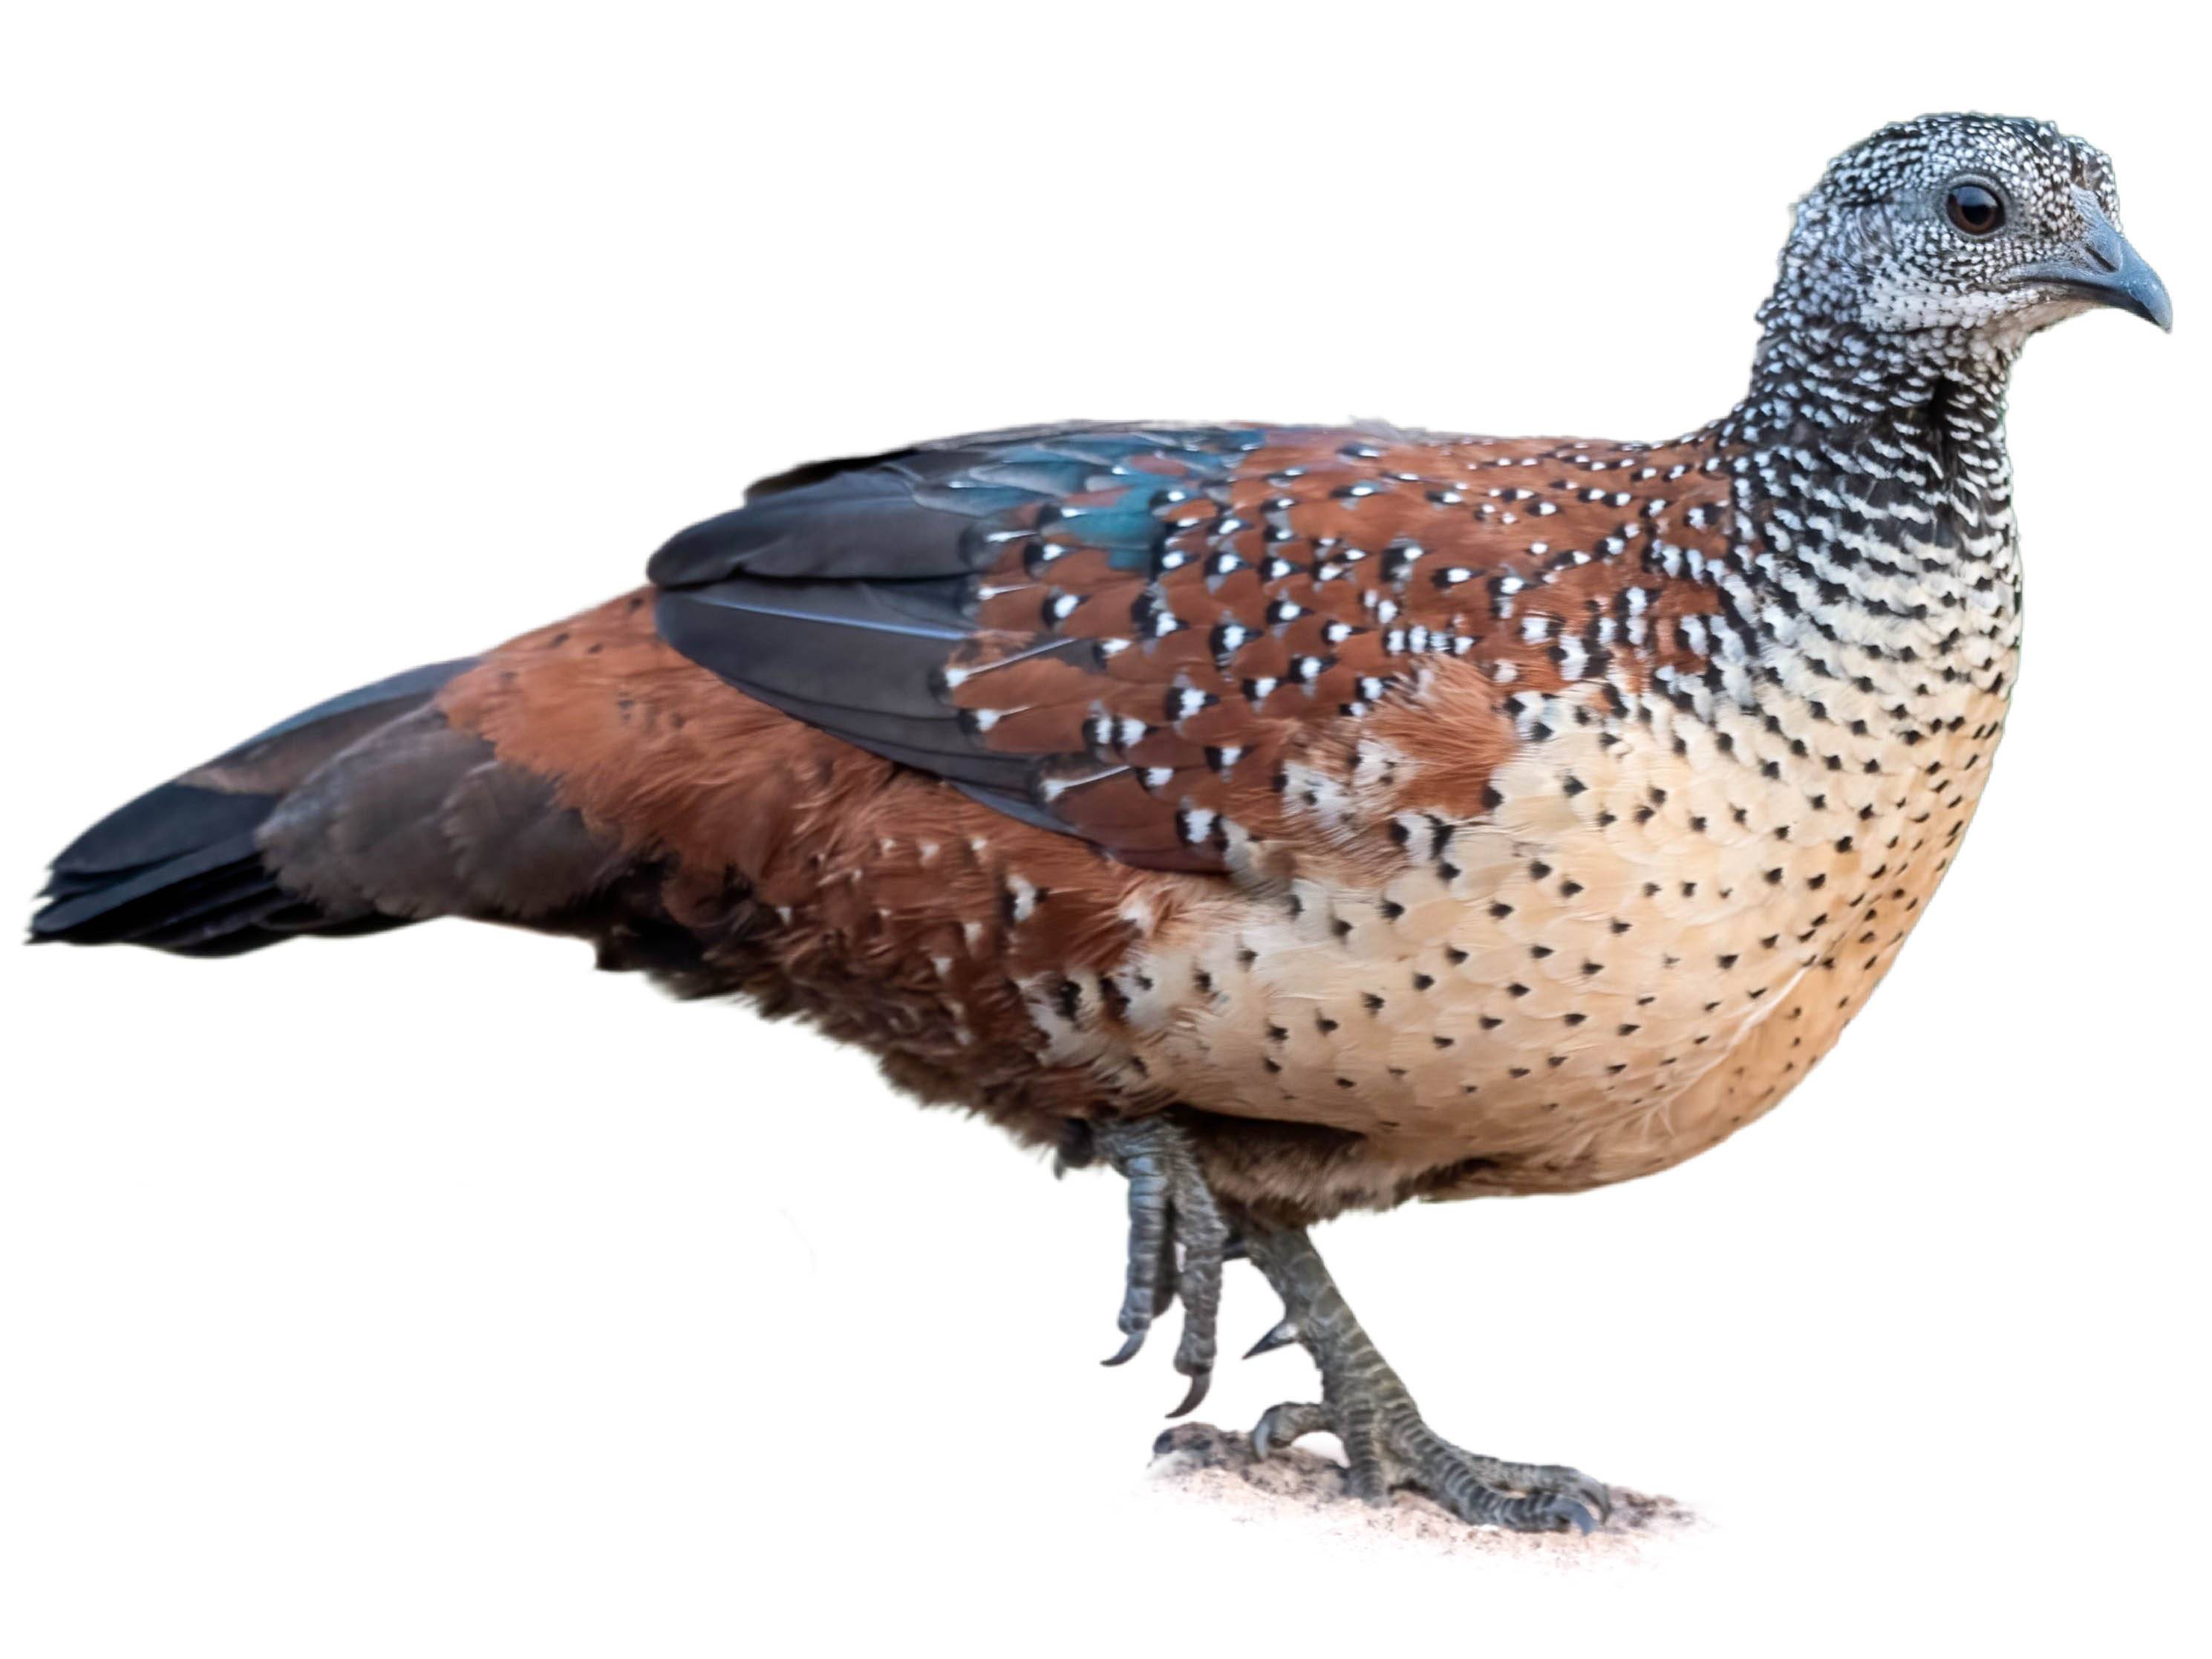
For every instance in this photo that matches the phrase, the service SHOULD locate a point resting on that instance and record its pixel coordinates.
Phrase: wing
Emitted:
(1123, 632)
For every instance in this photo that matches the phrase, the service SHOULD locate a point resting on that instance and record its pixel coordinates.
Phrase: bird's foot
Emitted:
(1178, 1242)
(1390, 1449)
(1388, 1445)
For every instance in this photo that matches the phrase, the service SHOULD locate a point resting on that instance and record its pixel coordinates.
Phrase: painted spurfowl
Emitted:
(1295, 820)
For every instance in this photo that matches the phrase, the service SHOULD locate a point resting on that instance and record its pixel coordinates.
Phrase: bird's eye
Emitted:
(1975, 209)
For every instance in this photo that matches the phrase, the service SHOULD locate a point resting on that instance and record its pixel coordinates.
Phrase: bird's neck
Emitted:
(1830, 400)
(1872, 509)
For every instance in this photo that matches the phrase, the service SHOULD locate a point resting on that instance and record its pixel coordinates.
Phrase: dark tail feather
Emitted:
(179, 869)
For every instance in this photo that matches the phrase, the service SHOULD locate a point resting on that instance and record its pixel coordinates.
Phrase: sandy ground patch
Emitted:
(1300, 1487)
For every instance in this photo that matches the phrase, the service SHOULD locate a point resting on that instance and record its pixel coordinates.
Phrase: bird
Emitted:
(1291, 820)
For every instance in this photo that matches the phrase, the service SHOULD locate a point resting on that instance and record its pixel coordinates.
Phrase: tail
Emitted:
(182, 867)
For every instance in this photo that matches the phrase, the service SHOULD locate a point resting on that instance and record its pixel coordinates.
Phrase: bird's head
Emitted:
(1961, 234)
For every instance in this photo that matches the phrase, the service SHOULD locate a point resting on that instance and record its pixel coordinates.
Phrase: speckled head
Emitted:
(1956, 234)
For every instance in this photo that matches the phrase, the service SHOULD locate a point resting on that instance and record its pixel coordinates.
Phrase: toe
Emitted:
(1280, 1425)
(1595, 1495)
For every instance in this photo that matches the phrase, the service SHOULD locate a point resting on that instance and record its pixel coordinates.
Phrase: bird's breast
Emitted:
(1645, 940)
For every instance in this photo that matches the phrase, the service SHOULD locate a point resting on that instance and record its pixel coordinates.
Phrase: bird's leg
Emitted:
(1367, 1408)
(1177, 1243)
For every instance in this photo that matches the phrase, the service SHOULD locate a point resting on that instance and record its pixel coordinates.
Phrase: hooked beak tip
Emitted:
(2107, 271)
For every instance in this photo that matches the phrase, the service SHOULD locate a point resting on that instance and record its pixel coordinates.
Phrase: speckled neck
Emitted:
(1922, 413)
(1873, 531)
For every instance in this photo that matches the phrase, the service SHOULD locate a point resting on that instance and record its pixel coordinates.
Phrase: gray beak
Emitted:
(2107, 270)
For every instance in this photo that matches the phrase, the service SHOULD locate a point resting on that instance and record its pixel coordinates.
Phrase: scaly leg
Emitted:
(1369, 1409)
(1171, 1212)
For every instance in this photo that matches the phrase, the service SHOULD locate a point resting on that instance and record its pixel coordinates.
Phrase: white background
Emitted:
(431, 1294)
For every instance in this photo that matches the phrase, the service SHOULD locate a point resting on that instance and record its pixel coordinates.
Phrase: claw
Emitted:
(1199, 1382)
(1576, 1516)
(1570, 1485)
(1281, 1336)
(1128, 1350)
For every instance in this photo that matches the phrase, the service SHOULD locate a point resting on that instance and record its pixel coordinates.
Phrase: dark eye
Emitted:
(1975, 209)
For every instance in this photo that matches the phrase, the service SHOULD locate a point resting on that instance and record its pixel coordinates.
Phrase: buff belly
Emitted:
(1643, 947)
